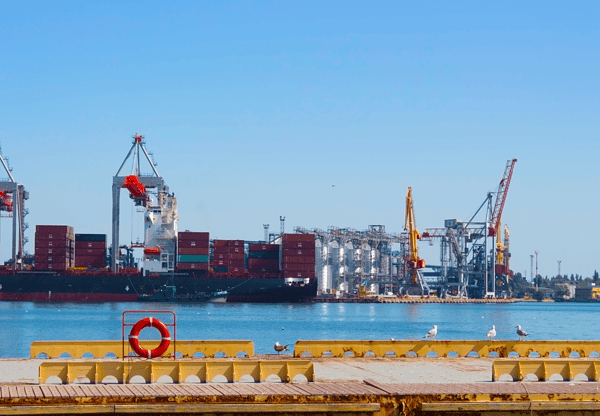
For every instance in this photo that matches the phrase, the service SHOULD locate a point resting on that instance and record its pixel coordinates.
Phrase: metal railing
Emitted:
(544, 369)
(124, 372)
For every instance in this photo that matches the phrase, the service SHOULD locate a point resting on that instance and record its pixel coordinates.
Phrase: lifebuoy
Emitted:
(135, 342)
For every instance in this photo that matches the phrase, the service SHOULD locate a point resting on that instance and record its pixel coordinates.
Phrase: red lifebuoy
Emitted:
(135, 342)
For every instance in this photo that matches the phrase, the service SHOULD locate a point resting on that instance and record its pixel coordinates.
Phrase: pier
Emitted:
(369, 381)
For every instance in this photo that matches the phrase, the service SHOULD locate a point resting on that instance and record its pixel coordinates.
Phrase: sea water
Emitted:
(24, 322)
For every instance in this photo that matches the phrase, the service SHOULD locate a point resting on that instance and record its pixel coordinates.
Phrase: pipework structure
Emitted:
(161, 215)
(12, 202)
(347, 258)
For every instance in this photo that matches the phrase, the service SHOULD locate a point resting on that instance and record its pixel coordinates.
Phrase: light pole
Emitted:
(559, 261)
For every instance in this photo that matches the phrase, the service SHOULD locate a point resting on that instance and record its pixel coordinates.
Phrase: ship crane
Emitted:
(12, 201)
(160, 221)
(413, 262)
(494, 228)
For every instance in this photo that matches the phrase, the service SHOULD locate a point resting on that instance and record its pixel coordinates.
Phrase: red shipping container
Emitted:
(54, 242)
(57, 251)
(236, 256)
(221, 256)
(236, 269)
(235, 243)
(298, 245)
(220, 243)
(90, 252)
(263, 269)
(54, 229)
(236, 263)
(263, 247)
(198, 251)
(192, 235)
(263, 263)
(299, 252)
(298, 260)
(193, 244)
(52, 258)
(96, 262)
(51, 266)
(298, 267)
(236, 249)
(219, 263)
(298, 237)
(221, 249)
(90, 244)
(192, 266)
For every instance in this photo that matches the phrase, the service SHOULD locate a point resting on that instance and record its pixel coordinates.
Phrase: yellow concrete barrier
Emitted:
(462, 348)
(66, 372)
(100, 349)
(543, 369)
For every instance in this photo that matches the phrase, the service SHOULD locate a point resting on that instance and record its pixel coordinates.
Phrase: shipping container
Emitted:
(192, 235)
(54, 242)
(219, 263)
(263, 247)
(95, 262)
(192, 258)
(51, 266)
(90, 252)
(298, 267)
(236, 256)
(220, 243)
(193, 244)
(236, 249)
(236, 263)
(55, 229)
(91, 237)
(192, 266)
(299, 245)
(221, 269)
(202, 251)
(221, 249)
(235, 243)
(299, 252)
(298, 237)
(298, 259)
(263, 255)
(221, 256)
(236, 269)
(90, 244)
(58, 251)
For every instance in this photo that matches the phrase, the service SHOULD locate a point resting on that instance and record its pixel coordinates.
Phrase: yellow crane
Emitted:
(413, 262)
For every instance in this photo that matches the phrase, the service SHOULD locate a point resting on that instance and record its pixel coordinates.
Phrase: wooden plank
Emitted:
(47, 392)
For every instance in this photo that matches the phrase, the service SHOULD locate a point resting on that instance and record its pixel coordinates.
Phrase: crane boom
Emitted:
(410, 225)
(501, 197)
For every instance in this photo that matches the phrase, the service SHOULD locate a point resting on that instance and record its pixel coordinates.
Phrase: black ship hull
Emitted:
(107, 287)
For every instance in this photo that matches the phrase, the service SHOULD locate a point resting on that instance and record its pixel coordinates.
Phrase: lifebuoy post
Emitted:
(149, 321)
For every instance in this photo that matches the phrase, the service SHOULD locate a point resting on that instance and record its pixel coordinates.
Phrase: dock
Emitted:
(341, 384)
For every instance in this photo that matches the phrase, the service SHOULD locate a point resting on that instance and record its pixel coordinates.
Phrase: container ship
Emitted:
(176, 266)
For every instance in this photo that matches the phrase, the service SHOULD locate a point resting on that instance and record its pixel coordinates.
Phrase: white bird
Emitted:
(521, 332)
(492, 332)
(278, 347)
(432, 332)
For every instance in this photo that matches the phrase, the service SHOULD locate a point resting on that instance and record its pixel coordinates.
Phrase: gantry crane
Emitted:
(160, 218)
(12, 201)
(413, 262)
(466, 267)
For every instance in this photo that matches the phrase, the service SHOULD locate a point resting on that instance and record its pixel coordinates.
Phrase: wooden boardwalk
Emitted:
(367, 397)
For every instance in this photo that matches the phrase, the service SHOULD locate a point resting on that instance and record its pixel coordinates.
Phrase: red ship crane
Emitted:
(6, 203)
(501, 198)
(137, 191)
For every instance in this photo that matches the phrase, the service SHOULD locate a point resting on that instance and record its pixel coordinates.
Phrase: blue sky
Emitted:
(255, 109)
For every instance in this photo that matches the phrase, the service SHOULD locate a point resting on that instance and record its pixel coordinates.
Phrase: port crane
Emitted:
(12, 202)
(413, 262)
(466, 268)
(160, 219)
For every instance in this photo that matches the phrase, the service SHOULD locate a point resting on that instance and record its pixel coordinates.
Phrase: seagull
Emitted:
(521, 332)
(278, 347)
(492, 332)
(432, 332)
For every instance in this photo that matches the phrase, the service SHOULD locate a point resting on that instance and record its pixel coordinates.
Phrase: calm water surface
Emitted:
(24, 322)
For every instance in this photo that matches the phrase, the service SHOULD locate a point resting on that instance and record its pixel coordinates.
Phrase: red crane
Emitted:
(501, 197)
